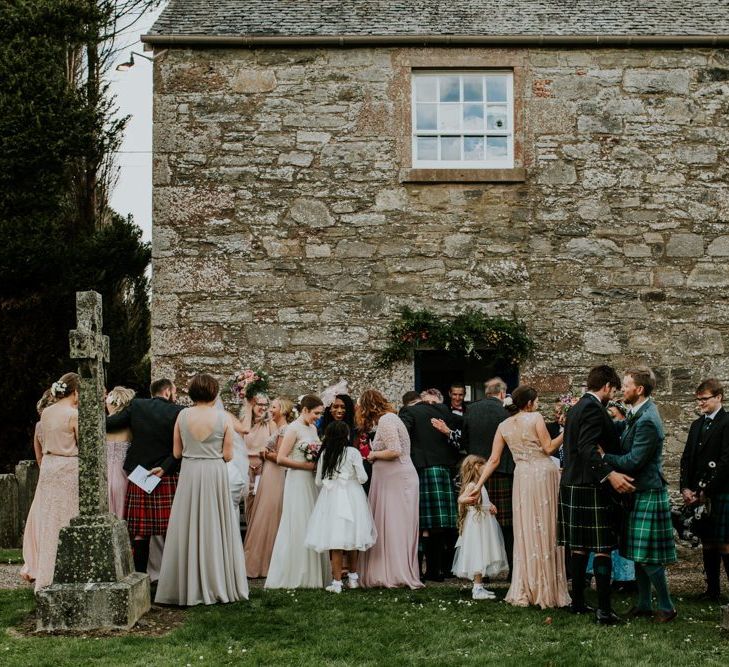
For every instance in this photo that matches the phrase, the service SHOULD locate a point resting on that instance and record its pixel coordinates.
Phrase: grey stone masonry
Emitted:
(285, 235)
(16, 496)
(94, 585)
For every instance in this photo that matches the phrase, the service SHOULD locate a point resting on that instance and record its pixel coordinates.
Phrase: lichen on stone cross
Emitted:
(91, 348)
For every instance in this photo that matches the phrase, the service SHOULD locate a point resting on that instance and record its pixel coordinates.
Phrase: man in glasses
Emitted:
(705, 481)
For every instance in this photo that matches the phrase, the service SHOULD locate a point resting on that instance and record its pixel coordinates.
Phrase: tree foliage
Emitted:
(53, 133)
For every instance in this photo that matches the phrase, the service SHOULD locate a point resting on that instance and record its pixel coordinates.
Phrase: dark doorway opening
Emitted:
(435, 368)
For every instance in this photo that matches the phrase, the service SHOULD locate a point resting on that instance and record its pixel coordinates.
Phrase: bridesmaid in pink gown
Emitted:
(56, 497)
(539, 576)
(258, 429)
(394, 496)
(117, 444)
(268, 501)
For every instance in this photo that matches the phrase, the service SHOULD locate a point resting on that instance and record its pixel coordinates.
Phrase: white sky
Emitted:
(133, 90)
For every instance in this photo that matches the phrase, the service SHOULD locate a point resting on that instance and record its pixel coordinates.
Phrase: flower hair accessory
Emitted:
(330, 393)
(59, 389)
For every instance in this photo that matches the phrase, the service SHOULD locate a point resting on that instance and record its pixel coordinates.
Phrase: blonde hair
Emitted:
(469, 475)
(287, 408)
(120, 397)
(47, 399)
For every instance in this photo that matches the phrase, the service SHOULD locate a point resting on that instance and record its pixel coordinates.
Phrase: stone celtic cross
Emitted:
(91, 348)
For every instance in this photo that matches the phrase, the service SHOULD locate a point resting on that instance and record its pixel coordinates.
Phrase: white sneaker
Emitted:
(353, 580)
(482, 594)
(335, 586)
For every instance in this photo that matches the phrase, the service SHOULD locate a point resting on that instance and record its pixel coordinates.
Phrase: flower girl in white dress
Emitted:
(342, 519)
(293, 564)
(480, 548)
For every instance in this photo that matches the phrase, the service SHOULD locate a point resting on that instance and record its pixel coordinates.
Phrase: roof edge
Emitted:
(254, 41)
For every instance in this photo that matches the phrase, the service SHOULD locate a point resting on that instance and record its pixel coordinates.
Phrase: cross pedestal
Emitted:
(94, 583)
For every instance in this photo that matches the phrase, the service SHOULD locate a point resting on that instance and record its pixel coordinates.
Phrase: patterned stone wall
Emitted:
(284, 237)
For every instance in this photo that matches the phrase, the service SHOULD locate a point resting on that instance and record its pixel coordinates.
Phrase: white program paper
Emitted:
(141, 477)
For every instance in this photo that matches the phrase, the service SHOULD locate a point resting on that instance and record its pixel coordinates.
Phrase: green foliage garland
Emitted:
(462, 336)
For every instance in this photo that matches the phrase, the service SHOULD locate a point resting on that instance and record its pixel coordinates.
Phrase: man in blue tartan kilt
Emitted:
(647, 535)
(705, 482)
(588, 516)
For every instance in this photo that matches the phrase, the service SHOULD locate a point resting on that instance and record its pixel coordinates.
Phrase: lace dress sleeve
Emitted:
(387, 436)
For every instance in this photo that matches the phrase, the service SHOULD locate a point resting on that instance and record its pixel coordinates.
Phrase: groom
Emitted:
(588, 517)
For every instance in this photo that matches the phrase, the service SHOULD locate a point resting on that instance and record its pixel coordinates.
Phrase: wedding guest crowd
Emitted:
(341, 493)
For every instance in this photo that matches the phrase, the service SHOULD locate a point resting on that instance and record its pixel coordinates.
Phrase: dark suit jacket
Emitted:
(479, 428)
(152, 421)
(699, 452)
(429, 447)
(642, 449)
(588, 425)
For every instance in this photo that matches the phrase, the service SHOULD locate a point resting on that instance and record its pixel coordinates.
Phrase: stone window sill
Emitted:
(515, 175)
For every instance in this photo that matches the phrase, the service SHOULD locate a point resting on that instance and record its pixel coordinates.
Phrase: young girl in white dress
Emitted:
(293, 564)
(342, 520)
(480, 548)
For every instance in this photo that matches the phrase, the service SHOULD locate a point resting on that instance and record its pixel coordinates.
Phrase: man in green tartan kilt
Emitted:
(648, 532)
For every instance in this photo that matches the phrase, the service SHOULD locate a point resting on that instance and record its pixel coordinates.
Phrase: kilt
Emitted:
(588, 519)
(648, 532)
(147, 514)
(500, 487)
(438, 506)
(717, 528)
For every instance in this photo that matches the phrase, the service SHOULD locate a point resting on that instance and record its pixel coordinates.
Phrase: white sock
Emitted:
(353, 575)
(477, 587)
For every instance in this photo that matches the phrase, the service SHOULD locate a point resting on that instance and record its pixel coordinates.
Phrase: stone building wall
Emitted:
(284, 236)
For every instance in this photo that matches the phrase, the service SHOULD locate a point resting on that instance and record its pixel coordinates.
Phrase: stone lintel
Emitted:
(112, 605)
(516, 175)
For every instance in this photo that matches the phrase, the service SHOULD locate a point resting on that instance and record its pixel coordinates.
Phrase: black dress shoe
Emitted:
(580, 608)
(665, 616)
(607, 617)
(637, 612)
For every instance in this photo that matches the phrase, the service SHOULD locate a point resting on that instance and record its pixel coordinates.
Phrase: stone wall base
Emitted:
(114, 605)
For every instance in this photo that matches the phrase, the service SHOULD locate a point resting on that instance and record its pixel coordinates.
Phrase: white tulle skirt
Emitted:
(480, 548)
(342, 518)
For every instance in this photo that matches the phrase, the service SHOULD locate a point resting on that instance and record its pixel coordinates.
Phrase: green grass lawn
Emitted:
(439, 626)
(11, 557)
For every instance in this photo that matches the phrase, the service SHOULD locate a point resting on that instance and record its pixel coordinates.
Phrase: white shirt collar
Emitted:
(713, 414)
(592, 393)
(637, 406)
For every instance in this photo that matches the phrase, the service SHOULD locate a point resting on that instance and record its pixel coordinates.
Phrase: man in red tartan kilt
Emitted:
(152, 422)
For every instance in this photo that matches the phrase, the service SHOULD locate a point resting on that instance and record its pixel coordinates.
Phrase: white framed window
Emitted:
(462, 120)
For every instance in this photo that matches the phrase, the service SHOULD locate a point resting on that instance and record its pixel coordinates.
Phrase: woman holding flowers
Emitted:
(293, 565)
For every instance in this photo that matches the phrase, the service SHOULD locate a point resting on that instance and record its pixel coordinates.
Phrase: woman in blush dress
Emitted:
(258, 429)
(268, 501)
(393, 498)
(117, 444)
(203, 561)
(539, 576)
(293, 564)
(56, 497)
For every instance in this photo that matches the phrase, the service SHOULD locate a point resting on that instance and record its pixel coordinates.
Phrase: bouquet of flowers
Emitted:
(363, 444)
(248, 383)
(311, 451)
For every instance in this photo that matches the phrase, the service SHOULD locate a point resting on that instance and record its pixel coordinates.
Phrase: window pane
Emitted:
(426, 117)
(426, 89)
(427, 148)
(495, 147)
(473, 116)
(450, 148)
(496, 118)
(472, 88)
(496, 88)
(450, 89)
(450, 117)
(473, 148)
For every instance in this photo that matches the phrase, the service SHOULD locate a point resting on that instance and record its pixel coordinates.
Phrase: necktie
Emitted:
(707, 424)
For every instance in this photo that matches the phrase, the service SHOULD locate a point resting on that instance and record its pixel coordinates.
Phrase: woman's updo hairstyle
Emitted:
(523, 395)
(66, 385)
(45, 400)
(309, 402)
(120, 397)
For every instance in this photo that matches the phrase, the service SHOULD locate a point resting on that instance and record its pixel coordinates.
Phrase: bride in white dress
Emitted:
(293, 565)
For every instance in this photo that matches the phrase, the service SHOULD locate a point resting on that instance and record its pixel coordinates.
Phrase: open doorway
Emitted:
(435, 368)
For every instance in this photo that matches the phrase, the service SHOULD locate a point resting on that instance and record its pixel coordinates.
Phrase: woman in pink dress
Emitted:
(394, 496)
(539, 576)
(258, 429)
(56, 496)
(117, 444)
(268, 502)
